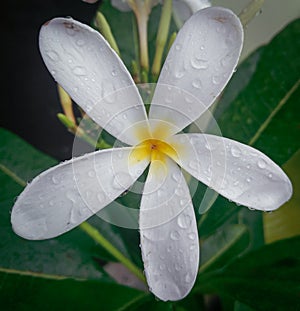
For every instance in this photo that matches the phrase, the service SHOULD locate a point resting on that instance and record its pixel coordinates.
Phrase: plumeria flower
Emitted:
(198, 66)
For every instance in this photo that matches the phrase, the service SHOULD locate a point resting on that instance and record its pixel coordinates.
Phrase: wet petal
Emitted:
(237, 171)
(64, 196)
(169, 239)
(198, 66)
(83, 63)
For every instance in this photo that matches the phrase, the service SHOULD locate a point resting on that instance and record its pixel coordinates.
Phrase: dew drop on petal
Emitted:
(178, 47)
(261, 163)
(197, 84)
(188, 278)
(184, 221)
(53, 55)
(175, 235)
(192, 236)
(199, 63)
(79, 71)
(235, 151)
(248, 179)
(80, 42)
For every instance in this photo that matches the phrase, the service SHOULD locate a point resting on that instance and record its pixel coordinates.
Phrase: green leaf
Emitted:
(27, 291)
(224, 246)
(265, 279)
(264, 112)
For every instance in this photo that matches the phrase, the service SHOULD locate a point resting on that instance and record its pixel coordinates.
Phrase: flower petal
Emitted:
(237, 171)
(169, 239)
(198, 66)
(83, 63)
(64, 196)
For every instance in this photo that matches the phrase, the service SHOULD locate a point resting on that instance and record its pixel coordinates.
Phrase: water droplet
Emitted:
(162, 266)
(122, 181)
(114, 73)
(51, 203)
(216, 79)
(91, 174)
(192, 236)
(101, 197)
(53, 72)
(178, 47)
(74, 219)
(188, 278)
(179, 74)
(199, 63)
(169, 248)
(71, 195)
(176, 177)
(178, 267)
(261, 163)
(184, 221)
(248, 166)
(70, 29)
(194, 165)
(179, 191)
(236, 183)
(197, 84)
(80, 42)
(174, 235)
(202, 47)
(270, 175)
(79, 71)
(56, 179)
(53, 56)
(235, 151)
(248, 179)
(192, 247)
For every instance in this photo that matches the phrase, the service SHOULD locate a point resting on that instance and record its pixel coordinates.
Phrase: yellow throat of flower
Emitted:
(154, 149)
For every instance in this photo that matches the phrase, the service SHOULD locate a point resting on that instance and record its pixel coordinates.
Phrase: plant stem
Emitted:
(104, 28)
(96, 236)
(250, 11)
(161, 39)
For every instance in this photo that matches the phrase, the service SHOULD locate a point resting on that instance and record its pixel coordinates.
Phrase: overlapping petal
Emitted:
(198, 66)
(237, 171)
(62, 197)
(169, 238)
(83, 63)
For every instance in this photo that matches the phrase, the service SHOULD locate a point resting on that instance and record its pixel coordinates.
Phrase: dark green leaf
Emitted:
(24, 291)
(265, 114)
(224, 246)
(265, 279)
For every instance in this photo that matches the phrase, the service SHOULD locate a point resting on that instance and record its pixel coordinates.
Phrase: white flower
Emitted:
(198, 66)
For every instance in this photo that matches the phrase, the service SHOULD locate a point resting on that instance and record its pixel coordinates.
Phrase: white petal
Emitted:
(198, 66)
(64, 196)
(83, 63)
(237, 171)
(169, 239)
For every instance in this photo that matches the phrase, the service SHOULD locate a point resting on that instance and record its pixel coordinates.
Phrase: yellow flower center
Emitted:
(155, 149)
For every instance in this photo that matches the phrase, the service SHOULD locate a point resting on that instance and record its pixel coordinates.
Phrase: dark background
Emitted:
(29, 98)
